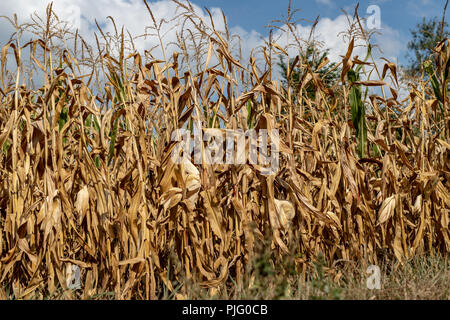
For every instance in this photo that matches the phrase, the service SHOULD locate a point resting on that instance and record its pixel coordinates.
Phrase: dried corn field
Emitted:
(86, 176)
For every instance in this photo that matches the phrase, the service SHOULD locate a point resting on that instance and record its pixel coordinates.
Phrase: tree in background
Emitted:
(425, 37)
(317, 61)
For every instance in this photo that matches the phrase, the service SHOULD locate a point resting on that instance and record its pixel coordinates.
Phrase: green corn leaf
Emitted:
(358, 112)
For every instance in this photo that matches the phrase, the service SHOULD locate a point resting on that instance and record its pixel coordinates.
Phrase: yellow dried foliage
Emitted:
(86, 176)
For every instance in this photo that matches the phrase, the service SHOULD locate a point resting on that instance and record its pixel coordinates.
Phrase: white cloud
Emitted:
(134, 16)
(390, 42)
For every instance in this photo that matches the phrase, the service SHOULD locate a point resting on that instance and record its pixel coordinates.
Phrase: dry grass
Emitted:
(422, 277)
(86, 176)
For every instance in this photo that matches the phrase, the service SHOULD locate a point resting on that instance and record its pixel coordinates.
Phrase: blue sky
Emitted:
(254, 14)
(247, 18)
(400, 15)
